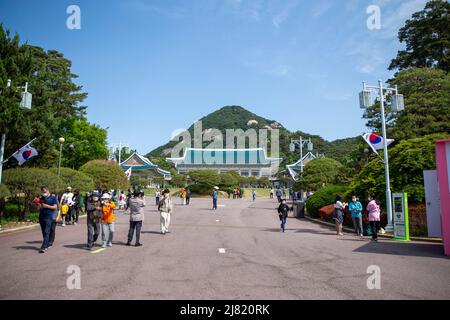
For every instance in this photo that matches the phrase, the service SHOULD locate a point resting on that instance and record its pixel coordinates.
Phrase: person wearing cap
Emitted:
(94, 216)
(107, 208)
(136, 207)
(215, 195)
(66, 205)
(165, 209)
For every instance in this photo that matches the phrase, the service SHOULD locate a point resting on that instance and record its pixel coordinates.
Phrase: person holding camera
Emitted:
(107, 208)
(136, 206)
(47, 204)
(94, 216)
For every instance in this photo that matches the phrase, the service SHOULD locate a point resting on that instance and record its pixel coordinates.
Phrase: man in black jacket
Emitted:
(283, 213)
(94, 215)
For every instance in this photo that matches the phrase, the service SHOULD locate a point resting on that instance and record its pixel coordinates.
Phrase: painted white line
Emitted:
(221, 205)
(221, 250)
(217, 220)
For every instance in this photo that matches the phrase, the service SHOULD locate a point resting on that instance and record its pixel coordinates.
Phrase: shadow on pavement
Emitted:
(314, 231)
(34, 242)
(81, 246)
(152, 232)
(429, 250)
(26, 248)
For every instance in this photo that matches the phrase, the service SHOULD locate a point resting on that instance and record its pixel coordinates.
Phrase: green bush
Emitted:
(200, 189)
(75, 179)
(323, 197)
(25, 184)
(106, 174)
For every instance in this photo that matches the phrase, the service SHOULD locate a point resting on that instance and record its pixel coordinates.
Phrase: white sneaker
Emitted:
(74, 223)
(109, 244)
(63, 224)
(104, 245)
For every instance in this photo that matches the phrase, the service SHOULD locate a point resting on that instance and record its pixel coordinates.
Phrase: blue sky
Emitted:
(151, 67)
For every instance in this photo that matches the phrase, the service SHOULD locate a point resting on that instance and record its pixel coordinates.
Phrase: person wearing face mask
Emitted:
(107, 207)
(355, 208)
(165, 208)
(47, 204)
(283, 210)
(94, 215)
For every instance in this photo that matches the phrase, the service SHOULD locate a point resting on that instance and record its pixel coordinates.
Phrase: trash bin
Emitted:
(299, 209)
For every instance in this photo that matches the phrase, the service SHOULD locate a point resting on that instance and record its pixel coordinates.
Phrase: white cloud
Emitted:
(321, 8)
(278, 19)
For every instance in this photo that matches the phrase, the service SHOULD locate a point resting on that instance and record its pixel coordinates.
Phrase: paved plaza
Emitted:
(236, 252)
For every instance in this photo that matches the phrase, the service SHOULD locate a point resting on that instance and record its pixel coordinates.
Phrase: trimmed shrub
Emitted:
(25, 184)
(75, 179)
(323, 197)
(106, 174)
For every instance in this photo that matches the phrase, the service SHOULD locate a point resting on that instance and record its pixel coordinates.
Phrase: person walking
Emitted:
(338, 214)
(283, 210)
(157, 197)
(66, 206)
(76, 207)
(48, 204)
(165, 209)
(355, 208)
(94, 216)
(215, 195)
(137, 204)
(278, 195)
(107, 207)
(271, 192)
(188, 196)
(254, 195)
(374, 217)
(183, 197)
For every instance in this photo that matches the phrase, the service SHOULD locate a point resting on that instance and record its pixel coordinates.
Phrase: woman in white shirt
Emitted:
(338, 214)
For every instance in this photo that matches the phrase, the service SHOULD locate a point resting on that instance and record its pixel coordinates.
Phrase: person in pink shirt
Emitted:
(374, 217)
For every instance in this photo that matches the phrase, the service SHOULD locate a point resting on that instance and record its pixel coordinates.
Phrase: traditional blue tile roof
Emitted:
(139, 162)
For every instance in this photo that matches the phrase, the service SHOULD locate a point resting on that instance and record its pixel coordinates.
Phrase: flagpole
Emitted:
(2, 151)
(389, 226)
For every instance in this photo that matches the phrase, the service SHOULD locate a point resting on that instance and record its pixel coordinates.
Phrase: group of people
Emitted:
(100, 216)
(355, 207)
(185, 196)
(236, 193)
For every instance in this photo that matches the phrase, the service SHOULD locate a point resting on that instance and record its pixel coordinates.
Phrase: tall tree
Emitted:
(427, 105)
(427, 38)
(57, 99)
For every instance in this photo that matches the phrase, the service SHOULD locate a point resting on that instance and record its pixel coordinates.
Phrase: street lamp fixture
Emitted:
(301, 142)
(397, 104)
(61, 142)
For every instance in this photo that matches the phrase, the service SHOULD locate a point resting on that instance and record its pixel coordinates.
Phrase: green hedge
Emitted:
(200, 189)
(323, 197)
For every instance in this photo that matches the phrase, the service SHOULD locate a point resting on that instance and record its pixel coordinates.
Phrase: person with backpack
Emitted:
(374, 217)
(165, 209)
(283, 210)
(137, 205)
(355, 208)
(94, 216)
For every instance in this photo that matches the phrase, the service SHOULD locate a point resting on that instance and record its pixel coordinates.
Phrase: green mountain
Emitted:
(236, 117)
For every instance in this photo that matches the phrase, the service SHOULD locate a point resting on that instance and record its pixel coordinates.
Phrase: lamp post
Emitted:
(61, 142)
(301, 143)
(397, 104)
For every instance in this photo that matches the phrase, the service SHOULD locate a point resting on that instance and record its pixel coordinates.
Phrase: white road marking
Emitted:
(221, 250)
(217, 220)
(221, 205)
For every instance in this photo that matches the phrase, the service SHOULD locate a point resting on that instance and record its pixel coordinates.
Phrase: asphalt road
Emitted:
(259, 262)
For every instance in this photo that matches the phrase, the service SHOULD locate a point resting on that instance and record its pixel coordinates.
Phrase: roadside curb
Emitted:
(387, 236)
(4, 231)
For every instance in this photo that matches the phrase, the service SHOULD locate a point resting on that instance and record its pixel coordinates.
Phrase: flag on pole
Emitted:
(25, 153)
(128, 173)
(375, 141)
(293, 173)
